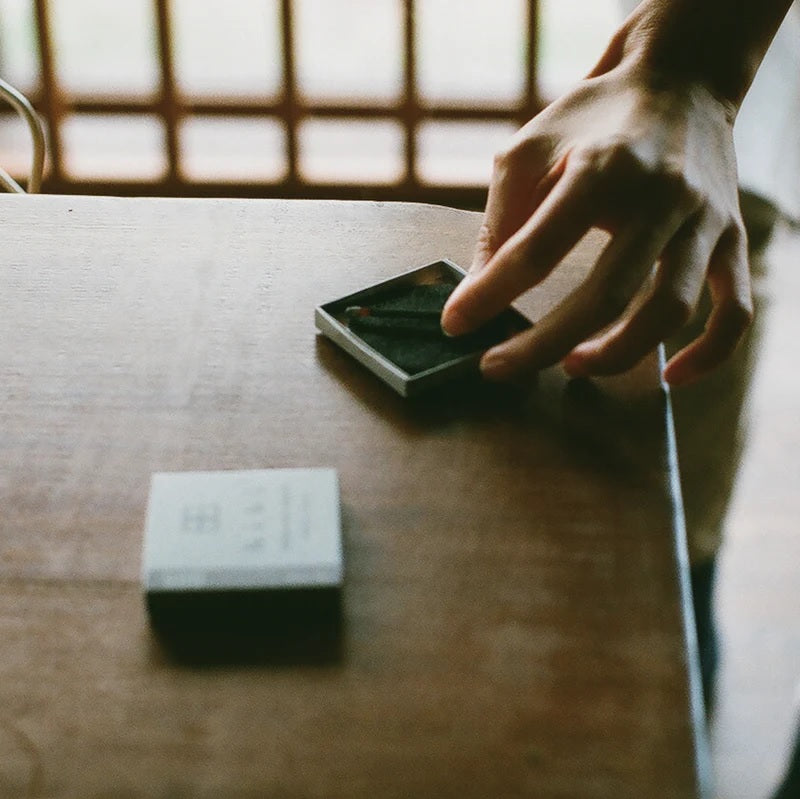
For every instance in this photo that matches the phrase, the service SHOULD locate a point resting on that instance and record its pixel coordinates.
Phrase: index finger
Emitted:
(515, 192)
(527, 257)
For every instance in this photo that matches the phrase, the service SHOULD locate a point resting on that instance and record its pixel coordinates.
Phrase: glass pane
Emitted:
(16, 148)
(349, 49)
(18, 45)
(572, 37)
(351, 151)
(228, 47)
(105, 48)
(117, 146)
(227, 148)
(459, 153)
(471, 53)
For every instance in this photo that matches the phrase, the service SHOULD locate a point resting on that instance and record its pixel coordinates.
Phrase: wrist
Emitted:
(674, 62)
(680, 44)
(666, 79)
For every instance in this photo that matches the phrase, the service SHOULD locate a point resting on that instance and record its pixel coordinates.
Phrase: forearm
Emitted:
(717, 44)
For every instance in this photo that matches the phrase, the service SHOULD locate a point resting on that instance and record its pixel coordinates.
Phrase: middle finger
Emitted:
(621, 269)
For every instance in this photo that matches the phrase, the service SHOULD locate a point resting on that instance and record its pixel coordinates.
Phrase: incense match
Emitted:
(362, 311)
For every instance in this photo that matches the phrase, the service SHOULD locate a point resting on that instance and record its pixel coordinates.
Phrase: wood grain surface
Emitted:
(514, 607)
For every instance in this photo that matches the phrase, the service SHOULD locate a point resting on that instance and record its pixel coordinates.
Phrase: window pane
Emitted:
(105, 47)
(572, 36)
(471, 52)
(459, 153)
(351, 151)
(16, 148)
(114, 146)
(349, 49)
(18, 46)
(225, 148)
(227, 47)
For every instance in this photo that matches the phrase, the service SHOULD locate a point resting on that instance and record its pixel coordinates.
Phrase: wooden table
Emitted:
(515, 600)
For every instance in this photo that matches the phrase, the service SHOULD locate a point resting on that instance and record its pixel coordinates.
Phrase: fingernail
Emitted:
(453, 323)
(575, 366)
(495, 366)
(676, 377)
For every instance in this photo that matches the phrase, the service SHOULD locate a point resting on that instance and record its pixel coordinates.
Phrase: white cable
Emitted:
(21, 105)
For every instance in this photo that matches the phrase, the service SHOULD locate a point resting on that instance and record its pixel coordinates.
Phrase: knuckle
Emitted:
(511, 156)
(672, 179)
(504, 156)
(686, 195)
(675, 309)
(610, 156)
(518, 152)
(486, 244)
(660, 181)
(737, 315)
(486, 237)
(669, 184)
(624, 159)
(714, 217)
(739, 244)
(610, 301)
(503, 162)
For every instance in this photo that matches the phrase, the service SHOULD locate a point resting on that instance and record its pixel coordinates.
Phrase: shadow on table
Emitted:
(249, 628)
(612, 423)
(466, 397)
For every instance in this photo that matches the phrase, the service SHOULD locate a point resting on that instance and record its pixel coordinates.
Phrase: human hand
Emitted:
(655, 168)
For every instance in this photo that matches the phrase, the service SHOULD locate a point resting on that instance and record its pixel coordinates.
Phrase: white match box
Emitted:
(257, 548)
(266, 528)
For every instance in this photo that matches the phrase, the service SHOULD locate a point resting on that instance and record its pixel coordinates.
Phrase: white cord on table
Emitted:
(23, 107)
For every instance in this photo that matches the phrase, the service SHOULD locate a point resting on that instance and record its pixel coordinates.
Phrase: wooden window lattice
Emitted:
(171, 107)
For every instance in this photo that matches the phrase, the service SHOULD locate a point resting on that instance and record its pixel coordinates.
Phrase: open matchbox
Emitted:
(393, 329)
